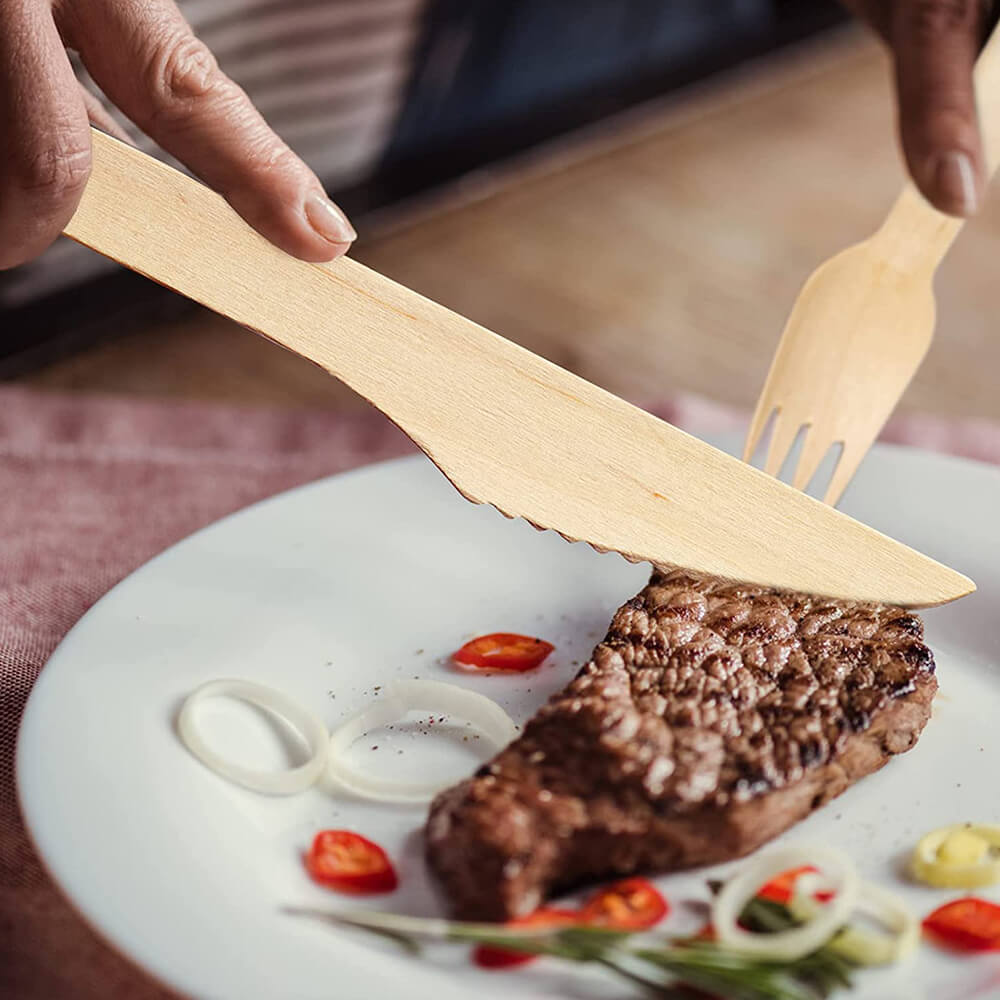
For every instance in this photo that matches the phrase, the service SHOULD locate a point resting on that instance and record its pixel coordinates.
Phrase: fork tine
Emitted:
(814, 448)
(761, 415)
(847, 465)
(782, 438)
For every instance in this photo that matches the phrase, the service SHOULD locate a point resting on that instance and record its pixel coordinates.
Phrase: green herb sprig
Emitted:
(669, 968)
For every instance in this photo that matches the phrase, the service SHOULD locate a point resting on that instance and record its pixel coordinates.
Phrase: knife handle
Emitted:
(165, 225)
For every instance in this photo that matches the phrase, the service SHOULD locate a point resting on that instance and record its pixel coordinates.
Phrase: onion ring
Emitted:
(395, 703)
(796, 942)
(890, 911)
(857, 945)
(309, 727)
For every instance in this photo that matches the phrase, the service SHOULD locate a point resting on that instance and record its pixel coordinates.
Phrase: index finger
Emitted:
(146, 59)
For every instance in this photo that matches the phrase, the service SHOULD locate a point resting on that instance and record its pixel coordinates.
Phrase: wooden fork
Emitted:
(861, 327)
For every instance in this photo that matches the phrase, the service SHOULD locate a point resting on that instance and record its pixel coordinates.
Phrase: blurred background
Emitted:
(634, 188)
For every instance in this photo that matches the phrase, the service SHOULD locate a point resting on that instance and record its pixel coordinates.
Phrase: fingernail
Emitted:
(328, 220)
(955, 181)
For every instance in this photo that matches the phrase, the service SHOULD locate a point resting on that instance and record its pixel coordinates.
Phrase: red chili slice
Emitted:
(490, 957)
(781, 887)
(348, 862)
(504, 651)
(968, 924)
(630, 905)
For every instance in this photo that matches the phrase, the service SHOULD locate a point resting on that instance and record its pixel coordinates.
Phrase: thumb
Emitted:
(935, 43)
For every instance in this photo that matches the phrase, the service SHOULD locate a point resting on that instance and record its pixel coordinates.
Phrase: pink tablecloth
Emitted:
(92, 488)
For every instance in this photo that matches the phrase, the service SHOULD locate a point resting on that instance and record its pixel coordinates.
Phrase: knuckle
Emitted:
(184, 70)
(928, 20)
(270, 154)
(55, 173)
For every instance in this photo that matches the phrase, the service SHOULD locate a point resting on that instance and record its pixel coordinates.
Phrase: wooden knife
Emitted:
(507, 427)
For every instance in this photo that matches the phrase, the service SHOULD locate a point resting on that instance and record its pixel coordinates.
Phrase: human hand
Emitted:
(934, 44)
(145, 58)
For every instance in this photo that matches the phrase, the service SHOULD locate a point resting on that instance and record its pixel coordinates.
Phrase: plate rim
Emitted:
(34, 704)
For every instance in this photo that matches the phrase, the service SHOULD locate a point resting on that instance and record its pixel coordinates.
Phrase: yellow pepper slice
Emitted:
(964, 856)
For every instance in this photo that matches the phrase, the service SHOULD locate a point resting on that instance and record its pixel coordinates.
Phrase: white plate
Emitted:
(337, 587)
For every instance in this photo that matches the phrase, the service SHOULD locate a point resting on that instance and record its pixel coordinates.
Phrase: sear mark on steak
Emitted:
(712, 717)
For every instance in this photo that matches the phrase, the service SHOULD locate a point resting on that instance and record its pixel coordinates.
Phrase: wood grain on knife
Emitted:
(506, 426)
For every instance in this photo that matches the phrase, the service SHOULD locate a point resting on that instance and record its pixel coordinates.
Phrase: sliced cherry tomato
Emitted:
(630, 905)
(504, 651)
(781, 887)
(348, 862)
(969, 924)
(490, 957)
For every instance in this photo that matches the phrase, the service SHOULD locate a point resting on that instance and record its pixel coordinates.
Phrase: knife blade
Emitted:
(507, 427)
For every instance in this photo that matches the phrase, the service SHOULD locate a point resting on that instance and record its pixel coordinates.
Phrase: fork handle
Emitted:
(915, 235)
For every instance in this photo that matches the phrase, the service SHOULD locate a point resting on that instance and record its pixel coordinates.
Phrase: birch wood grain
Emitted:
(505, 426)
(703, 215)
(862, 325)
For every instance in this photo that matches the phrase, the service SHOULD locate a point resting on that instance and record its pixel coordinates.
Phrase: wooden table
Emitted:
(660, 252)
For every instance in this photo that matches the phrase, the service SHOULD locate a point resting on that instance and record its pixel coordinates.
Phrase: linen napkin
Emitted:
(90, 489)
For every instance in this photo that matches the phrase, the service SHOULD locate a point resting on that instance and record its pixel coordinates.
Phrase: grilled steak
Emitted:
(711, 718)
